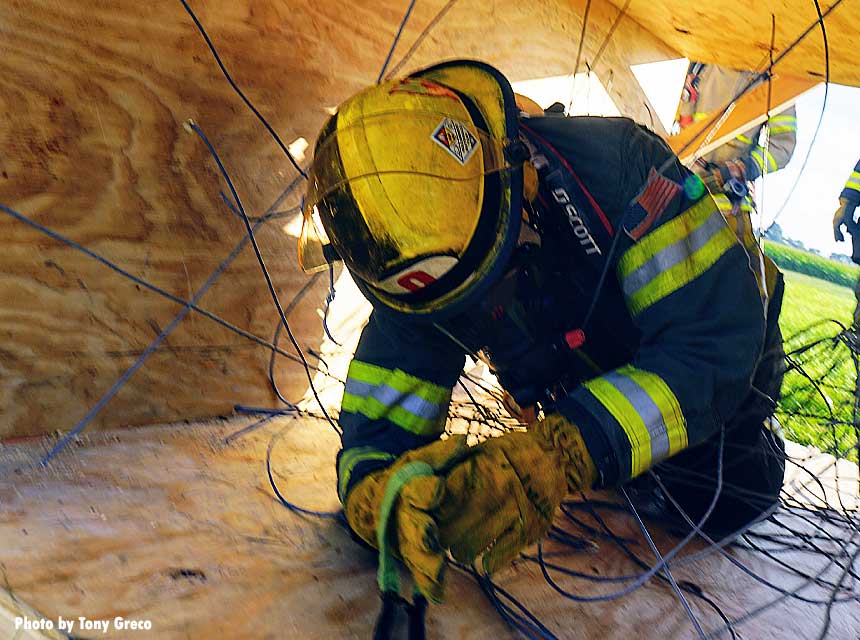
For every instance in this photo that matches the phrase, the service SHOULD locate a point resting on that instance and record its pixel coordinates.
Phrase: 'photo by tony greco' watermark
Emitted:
(79, 624)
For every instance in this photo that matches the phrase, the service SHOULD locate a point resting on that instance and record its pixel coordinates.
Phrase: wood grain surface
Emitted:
(171, 525)
(93, 96)
(737, 33)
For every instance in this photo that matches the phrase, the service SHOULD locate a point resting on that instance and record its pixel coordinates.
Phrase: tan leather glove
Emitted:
(503, 498)
(727, 177)
(843, 216)
(416, 537)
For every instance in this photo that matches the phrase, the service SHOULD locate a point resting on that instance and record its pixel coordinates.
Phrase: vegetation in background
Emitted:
(774, 233)
(805, 262)
(821, 414)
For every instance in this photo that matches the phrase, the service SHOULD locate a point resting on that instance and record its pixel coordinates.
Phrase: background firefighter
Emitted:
(730, 170)
(849, 200)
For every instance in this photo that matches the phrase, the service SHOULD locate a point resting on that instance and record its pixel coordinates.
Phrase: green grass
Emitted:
(818, 415)
(809, 300)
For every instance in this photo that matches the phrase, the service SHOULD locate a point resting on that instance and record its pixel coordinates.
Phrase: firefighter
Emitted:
(849, 199)
(730, 170)
(586, 266)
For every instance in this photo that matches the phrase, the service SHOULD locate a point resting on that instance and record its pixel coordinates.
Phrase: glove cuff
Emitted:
(556, 434)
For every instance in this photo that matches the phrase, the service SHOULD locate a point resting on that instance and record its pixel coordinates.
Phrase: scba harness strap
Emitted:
(563, 197)
(528, 326)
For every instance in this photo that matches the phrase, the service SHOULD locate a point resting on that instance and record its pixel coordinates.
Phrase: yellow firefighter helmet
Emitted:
(416, 184)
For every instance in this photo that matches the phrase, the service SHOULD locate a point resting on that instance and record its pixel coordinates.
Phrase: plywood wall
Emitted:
(737, 33)
(93, 94)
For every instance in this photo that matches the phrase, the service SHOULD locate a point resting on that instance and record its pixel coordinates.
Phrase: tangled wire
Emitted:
(817, 521)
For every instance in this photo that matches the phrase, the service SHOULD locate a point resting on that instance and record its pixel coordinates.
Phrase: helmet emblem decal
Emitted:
(456, 139)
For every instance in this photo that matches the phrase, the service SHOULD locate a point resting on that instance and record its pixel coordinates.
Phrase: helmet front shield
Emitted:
(382, 199)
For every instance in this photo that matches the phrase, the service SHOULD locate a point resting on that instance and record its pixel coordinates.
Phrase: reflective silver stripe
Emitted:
(389, 397)
(358, 388)
(647, 410)
(673, 254)
(418, 406)
(853, 183)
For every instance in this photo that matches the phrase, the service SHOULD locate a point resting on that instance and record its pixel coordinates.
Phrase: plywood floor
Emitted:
(172, 525)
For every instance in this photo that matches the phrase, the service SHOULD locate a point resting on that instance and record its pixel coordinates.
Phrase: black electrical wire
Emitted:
(829, 609)
(662, 560)
(742, 566)
(625, 548)
(579, 52)
(421, 36)
(289, 505)
(240, 93)
(820, 116)
(265, 271)
(395, 41)
(292, 305)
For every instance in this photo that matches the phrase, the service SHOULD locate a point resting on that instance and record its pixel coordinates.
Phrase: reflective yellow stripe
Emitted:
(759, 159)
(723, 202)
(676, 253)
(699, 116)
(726, 206)
(629, 419)
(744, 139)
(756, 156)
(412, 404)
(349, 459)
(397, 379)
(853, 181)
(647, 411)
(783, 129)
(673, 421)
(783, 119)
